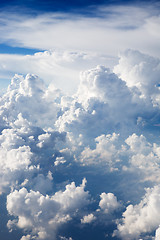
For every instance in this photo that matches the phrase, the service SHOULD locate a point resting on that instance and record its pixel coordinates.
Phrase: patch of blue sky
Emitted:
(3, 85)
(78, 6)
(7, 49)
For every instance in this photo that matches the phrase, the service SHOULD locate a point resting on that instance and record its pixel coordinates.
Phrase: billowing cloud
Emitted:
(88, 218)
(108, 202)
(105, 152)
(140, 71)
(100, 106)
(43, 214)
(29, 91)
(107, 132)
(24, 107)
(60, 67)
(141, 218)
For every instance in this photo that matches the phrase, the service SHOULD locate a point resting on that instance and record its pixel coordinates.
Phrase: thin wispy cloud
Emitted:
(110, 30)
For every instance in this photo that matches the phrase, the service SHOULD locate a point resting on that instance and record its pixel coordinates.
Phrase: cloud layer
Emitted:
(86, 161)
(109, 29)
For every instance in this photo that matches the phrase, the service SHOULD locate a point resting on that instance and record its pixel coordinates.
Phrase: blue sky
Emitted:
(53, 5)
(79, 120)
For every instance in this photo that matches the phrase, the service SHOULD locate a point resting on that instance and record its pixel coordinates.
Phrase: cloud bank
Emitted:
(84, 161)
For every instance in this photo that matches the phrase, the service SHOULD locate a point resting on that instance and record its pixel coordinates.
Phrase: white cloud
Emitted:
(21, 160)
(42, 215)
(157, 236)
(88, 218)
(102, 104)
(59, 160)
(59, 67)
(78, 42)
(108, 30)
(140, 71)
(29, 96)
(144, 156)
(105, 153)
(27, 237)
(108, 202)
(141, 218)
(105, 124)
(15, 157)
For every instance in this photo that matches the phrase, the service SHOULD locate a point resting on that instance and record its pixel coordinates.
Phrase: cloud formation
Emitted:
(109, 29)
(43, 214)
(88, 219)
(60, 67)
(141, 218)
(108, 202)
(107, 132)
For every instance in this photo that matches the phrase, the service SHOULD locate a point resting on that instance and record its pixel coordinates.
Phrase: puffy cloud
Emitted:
(43, 214)
(140, 71)
(88, 219)
(59, 160)
(108, 202)
(141, 218)
(25, 109)
(27, 154)
(48, 140)
(56, 66)
(27, 237)
(144, 156)
(102, 104)
(15, 157)
(105, 153)
(29, 91)
(102, 84)
(134, 154)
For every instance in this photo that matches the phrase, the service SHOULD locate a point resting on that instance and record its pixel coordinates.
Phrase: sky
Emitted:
(79, 120)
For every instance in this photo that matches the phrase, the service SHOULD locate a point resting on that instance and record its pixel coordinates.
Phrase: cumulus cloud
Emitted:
(88, 218)
(29, 91)
(100, 105)
(108, 202)
(60, 67)
(105, 152)
(144, 156)
(43, 214)
(140, 71)
(141, 218)
(22, 157)
(25, 109)
(104, 132)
